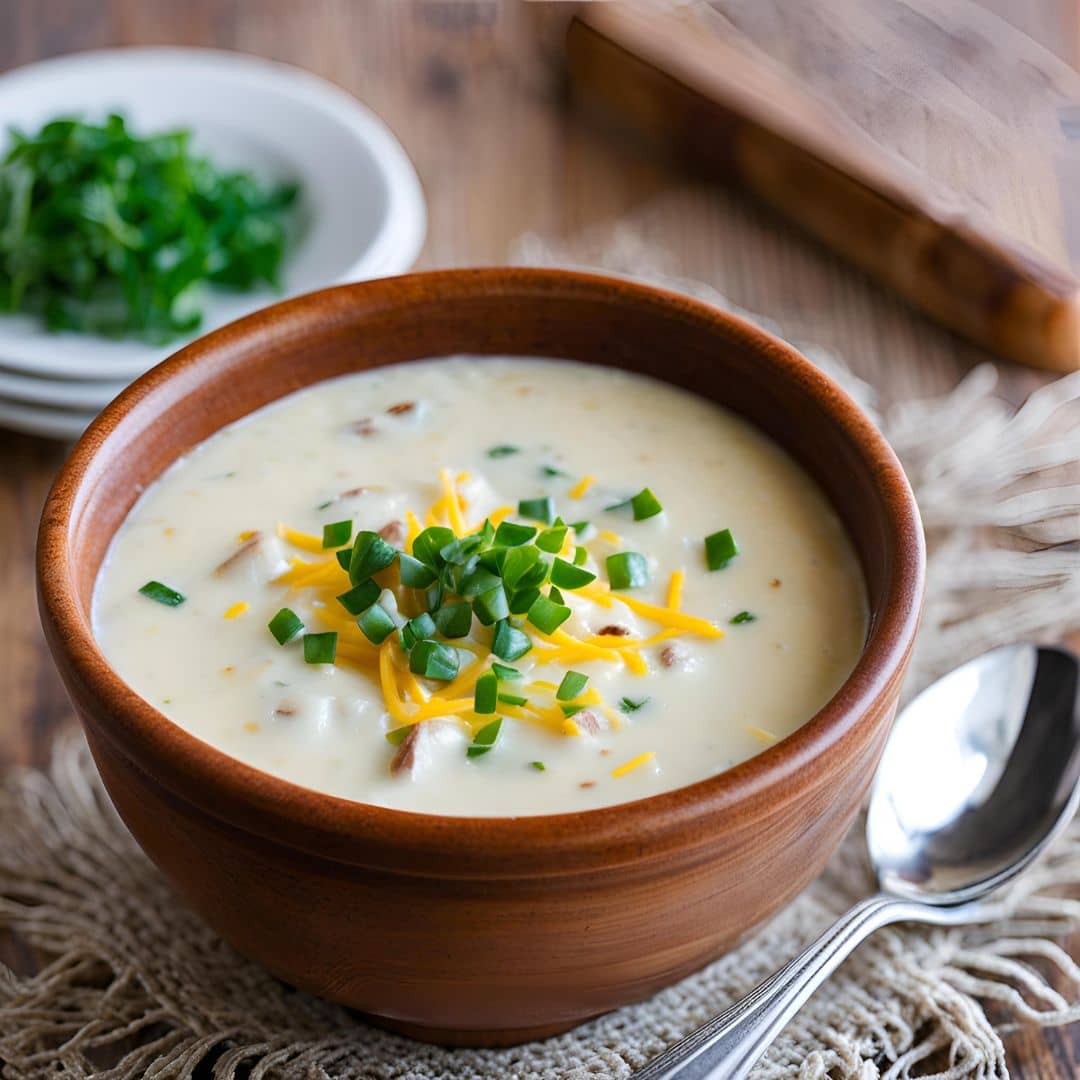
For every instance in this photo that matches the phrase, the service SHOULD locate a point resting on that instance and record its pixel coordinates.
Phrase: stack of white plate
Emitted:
(361, 212)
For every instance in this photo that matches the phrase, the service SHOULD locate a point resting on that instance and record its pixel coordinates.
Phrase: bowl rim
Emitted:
(359, 833)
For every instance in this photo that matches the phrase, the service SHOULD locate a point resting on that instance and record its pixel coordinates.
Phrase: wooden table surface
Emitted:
(466, 88)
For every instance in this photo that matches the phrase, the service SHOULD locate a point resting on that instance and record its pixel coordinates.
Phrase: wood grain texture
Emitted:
(463, 86)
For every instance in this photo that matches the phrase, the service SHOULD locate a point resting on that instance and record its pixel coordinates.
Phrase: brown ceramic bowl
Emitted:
(482, 930)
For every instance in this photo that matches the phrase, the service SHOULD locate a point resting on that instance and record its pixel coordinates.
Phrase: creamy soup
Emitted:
(481, 586)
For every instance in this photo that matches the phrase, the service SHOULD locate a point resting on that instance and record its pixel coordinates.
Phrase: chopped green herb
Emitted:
(485, 739)
(513, 699)
(376, 624)
(504, 673)
(550, 470)
(511, 534)
(491, 606)
(581, 556)
(573, 683)
(503, 451)
(523, 567)
(547, 615)
(336, 534)
(539, 766)
(571, 710)
(720, 549)
(360, 597)
(418, 629)
(555, 594)
(344, 558)
(743, 617)
(646, 505)
(414, 574)
(509, 643)
(551, 540)
(326, 505)
(320, 648)
(629, 705)
(428, 545)
(454, 620)
(568, 576)
(370, 554)
(479, 581)
(627, 570)
(541, 509)
(486, 695)
(434, 660)
(285, 625)
(162, 594)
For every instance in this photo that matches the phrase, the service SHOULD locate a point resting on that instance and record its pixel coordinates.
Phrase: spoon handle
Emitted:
(726, 1047)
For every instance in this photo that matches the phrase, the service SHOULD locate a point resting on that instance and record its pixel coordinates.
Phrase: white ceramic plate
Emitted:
(362, 210)
(41, 420)
(60, 393)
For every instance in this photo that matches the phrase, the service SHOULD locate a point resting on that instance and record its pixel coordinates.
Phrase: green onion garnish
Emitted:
(542, 509)
(539, 766)
(491, 606)
(742, 617)
(376, 624)
(414, 574)
(418, 629)
(504, 673)
(581, 556)
(429, 543)
(523, 567)
(720, 549)
(320, 648)
(550, 470)
(513, 699)
(646, 505)
(568, 576)
(573, 683)
(396, 736)
(454, 620)
(285, 625)
(479, 581)
(547, 615)
(509, 643)
(434, 660)
(571, 710)
(555, 594)
(486, 695)
(162, 594)
(485, 738)
(344, 558)
(551, 540)
(359, 598)
(627, 570)
(522, 599)
(503, 451)
(370, 554)
(336, 534)
(511, 534)
(629, 705)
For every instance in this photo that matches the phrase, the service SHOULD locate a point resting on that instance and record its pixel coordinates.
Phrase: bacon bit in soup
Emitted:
(364, 489)
(405, 757)
(248, 547)
(587, 784)
(401, 408)
(775, 583)
(672, 656)
(393, 532)
(364, 426)
(614, 630)
(588, 721)
(285, 710)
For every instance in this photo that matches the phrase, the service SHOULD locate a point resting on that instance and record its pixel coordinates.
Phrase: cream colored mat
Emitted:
(135, 986)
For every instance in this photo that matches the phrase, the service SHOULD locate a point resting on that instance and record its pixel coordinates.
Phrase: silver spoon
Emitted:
(979, 774)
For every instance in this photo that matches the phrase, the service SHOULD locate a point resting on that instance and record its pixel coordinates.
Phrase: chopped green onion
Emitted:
(541, 509)
(396, 736)
(454, 620)
(720, 549)
(486, 695)
(581, 556)
(547, 615)
(509, 643)
(327, 504)
(556, 595)
(376, 624)
(418, 629)
(539, 766)
(521, 564)
(743, 617)
(580, 526)
(485, 738)
(521, 600)
(568, 576)
(285, 625)
(573, 683)
(571, 710)
(627, 570)
(552, 540)
(479, 581)
(162, 594)
(504, 673)
(503, 451)
(550, 470)
(320, 648)
(511, 534)
(434, 660)
(336, 534)
(359, 598)
(370, 554)
(429, 543)
(344, 558)
(459, 552)
(646, 505)
(491, 606)
(622, 504)
(414, 573)
(629, 705)
(513, 699)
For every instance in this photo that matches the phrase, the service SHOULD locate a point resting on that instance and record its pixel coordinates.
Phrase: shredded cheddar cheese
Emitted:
(675, 588)
(579, 490)
(633, 763)
(763, 736)
(236, 610)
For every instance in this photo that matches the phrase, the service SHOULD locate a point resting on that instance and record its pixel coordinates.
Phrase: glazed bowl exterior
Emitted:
(482, 930)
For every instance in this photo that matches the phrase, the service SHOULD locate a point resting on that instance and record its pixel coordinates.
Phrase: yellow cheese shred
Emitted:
(675, 590)
(414, 530)
(664, 616)
(451, 501)
(304, 541)
(633, 763)
(579, 490)
(236, 610)
(763, 736)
